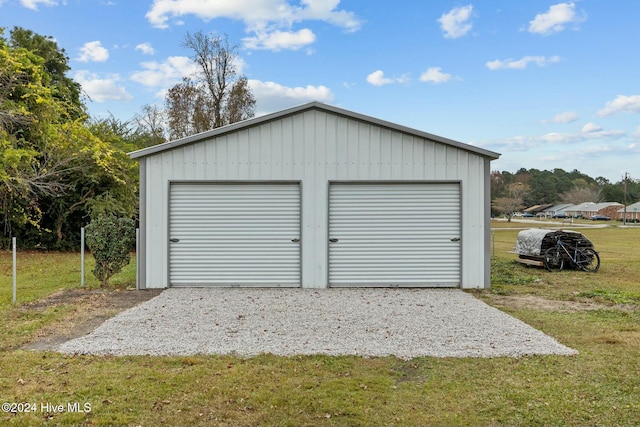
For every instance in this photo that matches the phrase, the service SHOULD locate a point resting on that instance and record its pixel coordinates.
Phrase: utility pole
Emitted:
(624, 218)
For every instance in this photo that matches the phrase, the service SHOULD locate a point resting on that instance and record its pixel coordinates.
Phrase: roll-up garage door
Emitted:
(394, 234)
(225, 234)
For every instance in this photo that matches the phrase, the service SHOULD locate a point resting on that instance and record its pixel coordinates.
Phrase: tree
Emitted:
(512, 202)
(582, 192)
(185, 104)
(215, 96)
(110, 239)
(53, 166)
(55, 65)
(29, 157)
(150, 126)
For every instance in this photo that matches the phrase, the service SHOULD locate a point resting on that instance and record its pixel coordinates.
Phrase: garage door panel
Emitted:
(234, 234)
(394, 234)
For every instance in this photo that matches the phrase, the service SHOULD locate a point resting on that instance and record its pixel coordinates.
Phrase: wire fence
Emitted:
(82, 281)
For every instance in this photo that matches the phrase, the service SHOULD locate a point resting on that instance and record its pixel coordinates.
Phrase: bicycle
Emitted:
(584, 259)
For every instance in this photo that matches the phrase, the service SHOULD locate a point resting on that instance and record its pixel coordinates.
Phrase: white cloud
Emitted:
(622, 103)
(520, 64)
(455, 23)
(435, 75)
(272, 96)
(93, 52)
(270, 21)
(102, 89)
(146, 48)
(33, 4)
(589, 132)
(377, 78)
(278, 40)
(324, 10)
(164, 74)
(555, 19)
(591, 127)
(565, 117)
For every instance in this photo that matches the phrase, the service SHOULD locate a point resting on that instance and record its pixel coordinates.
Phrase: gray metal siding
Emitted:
(315, 148)
(226, 234)
(394, 234)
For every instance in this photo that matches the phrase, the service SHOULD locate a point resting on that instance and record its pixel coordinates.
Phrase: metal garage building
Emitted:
(314, 196)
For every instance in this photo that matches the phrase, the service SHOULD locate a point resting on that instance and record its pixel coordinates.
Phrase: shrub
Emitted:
(110, 239)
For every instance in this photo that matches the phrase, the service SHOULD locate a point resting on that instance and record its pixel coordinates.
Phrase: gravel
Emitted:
(406, 323)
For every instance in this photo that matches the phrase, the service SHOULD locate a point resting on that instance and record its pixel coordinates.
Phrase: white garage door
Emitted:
(394, 234)
(225, 234)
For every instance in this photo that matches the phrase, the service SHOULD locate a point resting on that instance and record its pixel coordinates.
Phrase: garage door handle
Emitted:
(333, 240)
(295, 240)
(174, 240)
(455, 239)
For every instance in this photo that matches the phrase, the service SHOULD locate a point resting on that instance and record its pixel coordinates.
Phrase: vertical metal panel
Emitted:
(224, 234)
(394, 234)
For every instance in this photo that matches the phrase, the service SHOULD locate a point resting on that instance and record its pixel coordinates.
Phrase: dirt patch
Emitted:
(90, 308)
(533, 302)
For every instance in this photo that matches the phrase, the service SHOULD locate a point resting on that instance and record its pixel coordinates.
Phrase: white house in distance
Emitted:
(314, 196)
(632, 212)
(589, 209)
(557, 210)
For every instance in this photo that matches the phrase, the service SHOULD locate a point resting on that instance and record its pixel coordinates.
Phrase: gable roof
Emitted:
(300, 109)
(633, 207)
(593, 207)
(560, 207)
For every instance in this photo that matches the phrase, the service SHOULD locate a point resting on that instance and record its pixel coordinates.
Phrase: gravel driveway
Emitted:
(405, 323)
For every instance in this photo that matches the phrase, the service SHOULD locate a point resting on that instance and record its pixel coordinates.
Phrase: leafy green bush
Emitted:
(110, 239)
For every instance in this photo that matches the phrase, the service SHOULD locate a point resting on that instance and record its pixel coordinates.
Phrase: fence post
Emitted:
(82, 257)
(493, 243)
(13, 300)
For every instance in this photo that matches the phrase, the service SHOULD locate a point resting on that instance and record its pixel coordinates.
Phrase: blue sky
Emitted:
(548, 84)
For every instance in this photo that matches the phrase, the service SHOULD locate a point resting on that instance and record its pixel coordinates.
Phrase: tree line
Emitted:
(60, 168)
(512, 192)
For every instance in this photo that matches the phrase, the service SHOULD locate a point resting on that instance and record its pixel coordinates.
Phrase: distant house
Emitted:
(557, 210)
(589, 209)
(633, 212)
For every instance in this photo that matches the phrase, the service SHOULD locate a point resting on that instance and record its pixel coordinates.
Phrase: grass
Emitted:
(600, 386)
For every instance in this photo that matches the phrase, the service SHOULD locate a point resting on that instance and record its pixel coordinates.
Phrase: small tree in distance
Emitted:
(513, 201)
(110, 239)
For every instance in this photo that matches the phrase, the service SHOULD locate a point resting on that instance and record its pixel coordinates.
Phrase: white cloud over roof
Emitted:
(456, 23)
(565, 117)
(33, 4)
(164, 74)
(377, 78)
(272, 96)
(435, 75)
(622, 103)
(93, 52)
(555, 19)
(101, 89)
(278, 40)
(269, 21)
(145, 48)
(522, 63)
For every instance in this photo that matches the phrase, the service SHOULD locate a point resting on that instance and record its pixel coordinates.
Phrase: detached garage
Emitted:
(314, 196)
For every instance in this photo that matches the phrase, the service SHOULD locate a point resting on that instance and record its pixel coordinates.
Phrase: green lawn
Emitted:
(600, 386)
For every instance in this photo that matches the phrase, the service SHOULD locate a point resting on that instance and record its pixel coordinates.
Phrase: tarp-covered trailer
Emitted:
(534, 242)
